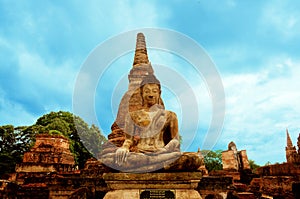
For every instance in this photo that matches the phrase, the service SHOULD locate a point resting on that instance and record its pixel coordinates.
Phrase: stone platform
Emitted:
(152, 185)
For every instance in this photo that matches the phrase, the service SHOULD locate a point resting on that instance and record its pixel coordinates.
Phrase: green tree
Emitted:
(85, 141)
(268, 163)
(13, 143)
(253, 165)
(93, 140)
(212, 159)
(7, 156)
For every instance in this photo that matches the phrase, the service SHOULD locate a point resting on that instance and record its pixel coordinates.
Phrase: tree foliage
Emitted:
(85, 141)
(212, 159)
(13, 143)
(268, 163)
(253, 165)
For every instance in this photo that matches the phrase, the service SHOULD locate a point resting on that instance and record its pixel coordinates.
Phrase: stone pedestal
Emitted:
(152, 185)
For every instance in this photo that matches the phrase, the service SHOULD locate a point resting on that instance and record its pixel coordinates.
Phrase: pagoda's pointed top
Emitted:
(288, 139)
(140, 56)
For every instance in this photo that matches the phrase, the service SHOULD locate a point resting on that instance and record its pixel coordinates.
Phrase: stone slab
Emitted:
(130, 185)
(178, 180)
(135, 194)
(174, 176)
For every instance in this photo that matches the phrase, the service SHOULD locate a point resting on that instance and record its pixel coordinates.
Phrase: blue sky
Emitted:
(255, 46)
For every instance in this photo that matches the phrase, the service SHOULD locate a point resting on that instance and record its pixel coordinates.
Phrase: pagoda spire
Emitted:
(290, 150)
(141, 56)
(289, 143)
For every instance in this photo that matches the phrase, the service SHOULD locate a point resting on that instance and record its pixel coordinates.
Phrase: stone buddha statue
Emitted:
(154, 128)
(145, 136)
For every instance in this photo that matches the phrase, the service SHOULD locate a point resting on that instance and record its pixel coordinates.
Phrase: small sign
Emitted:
(157, 194)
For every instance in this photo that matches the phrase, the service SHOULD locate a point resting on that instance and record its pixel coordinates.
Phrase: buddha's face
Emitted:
(150, 94)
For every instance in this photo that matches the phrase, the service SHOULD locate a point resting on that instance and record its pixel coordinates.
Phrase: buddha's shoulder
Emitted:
(171, 113)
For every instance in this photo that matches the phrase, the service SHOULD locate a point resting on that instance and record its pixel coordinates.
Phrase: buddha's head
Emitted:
(150, 91)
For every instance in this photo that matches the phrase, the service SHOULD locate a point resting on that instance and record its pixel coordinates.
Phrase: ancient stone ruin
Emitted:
(145, 138)
(292, 155)
(50, 153)
(131, 100)
(142, 158)
(280, 180)
(233, 159)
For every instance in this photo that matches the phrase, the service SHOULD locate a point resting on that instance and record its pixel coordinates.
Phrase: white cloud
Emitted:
(38, 87)
(12, 112)
(39, 73)
(282, 16)
(231, 3)
(48, 51)
(34, 67)
(260, 105)
(138, 14)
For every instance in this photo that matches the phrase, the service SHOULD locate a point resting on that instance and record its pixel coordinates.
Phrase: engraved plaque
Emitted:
(157, 194)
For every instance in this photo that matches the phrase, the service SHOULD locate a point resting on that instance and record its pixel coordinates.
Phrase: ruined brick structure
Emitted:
(233, 159)
(280, 180)
(50, 153)
(48, 171)
(292, 155)
(56, 177)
